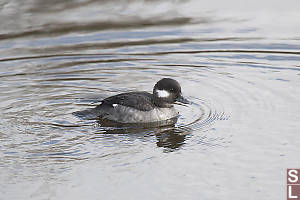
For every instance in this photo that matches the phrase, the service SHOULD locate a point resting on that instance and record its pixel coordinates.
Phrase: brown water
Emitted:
(238, 63)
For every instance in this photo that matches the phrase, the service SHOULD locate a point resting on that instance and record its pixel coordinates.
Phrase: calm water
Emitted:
(238, 62)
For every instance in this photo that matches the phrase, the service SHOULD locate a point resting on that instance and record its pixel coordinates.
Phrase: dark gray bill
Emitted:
(181, 99)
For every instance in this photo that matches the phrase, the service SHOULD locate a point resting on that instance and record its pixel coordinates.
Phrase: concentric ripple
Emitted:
(201, 115)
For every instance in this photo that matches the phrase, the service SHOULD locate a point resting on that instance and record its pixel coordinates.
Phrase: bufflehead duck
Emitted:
(142, 107)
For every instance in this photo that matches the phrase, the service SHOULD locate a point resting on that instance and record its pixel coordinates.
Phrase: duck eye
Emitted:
(172, 90)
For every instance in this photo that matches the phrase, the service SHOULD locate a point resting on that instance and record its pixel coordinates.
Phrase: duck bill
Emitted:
(182, 100)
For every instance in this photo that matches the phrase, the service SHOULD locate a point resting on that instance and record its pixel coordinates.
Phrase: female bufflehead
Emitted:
(142, 107)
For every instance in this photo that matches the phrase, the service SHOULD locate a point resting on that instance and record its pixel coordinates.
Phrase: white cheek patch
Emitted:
(114, 105)
(162, 93)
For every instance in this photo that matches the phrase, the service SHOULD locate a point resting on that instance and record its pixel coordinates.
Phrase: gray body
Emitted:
(125, 114)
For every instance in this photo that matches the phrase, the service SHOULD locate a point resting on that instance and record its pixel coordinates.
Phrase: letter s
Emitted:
(293, 178)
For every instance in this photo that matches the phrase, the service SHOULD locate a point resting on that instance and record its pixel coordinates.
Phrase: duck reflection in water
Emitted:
(171, 139)
(168, 136)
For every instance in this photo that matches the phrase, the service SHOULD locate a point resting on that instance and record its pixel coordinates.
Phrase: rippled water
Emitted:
(238, 63)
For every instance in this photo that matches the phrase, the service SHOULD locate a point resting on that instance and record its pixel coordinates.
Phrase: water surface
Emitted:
(238, 63)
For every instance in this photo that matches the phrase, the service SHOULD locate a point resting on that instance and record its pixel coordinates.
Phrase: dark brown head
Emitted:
(166, 92)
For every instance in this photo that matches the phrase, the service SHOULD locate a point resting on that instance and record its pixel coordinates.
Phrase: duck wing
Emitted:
(139, 100)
